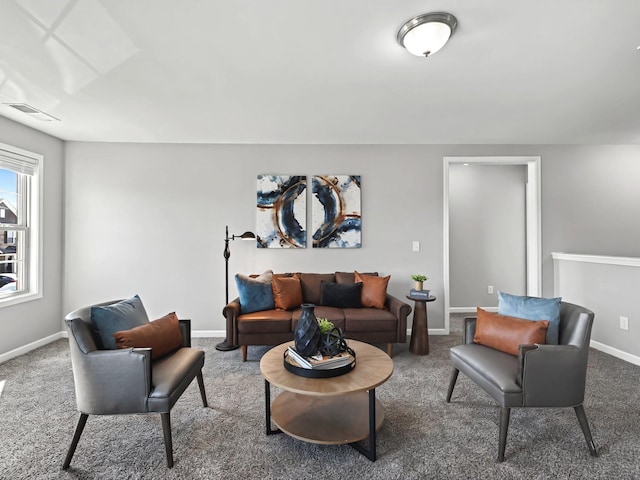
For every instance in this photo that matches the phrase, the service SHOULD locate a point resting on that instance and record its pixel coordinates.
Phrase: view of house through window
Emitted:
(18, 211)
(9, 264)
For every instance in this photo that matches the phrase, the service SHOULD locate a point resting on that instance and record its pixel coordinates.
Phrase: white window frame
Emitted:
(23, 161)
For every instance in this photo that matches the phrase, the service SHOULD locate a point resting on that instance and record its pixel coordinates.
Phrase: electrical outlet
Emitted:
(624, 323)
(490, 289)
(416, 246)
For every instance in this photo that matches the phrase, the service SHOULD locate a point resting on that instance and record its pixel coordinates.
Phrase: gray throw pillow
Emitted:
(116, 317)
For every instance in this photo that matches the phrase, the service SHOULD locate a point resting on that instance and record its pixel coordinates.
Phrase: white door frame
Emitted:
(533, 221)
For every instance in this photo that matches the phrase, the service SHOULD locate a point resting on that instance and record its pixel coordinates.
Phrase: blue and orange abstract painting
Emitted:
(336, 214)
(281, 220)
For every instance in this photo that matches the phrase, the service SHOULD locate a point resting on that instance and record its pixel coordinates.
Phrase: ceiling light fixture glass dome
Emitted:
(425, 34)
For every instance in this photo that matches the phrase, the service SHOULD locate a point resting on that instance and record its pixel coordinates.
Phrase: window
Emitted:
(20, 245)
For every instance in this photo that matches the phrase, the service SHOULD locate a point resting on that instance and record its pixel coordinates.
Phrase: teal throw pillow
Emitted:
(116, 317)
(533, 308)
(255, 293)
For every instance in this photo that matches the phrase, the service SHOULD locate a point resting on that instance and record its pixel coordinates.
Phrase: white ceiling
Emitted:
(323, 71)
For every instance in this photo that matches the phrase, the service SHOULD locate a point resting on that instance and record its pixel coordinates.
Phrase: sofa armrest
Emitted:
(231, 312)
(469, 329)
(401, 310)
(147, 360)
(553, 376)
(113, 381)
(185, 329)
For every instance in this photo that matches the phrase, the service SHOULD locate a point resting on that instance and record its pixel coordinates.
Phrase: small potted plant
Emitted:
(419, 278)
(325, 325)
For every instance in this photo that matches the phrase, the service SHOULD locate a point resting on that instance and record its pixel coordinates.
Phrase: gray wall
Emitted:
(178, 264)
(590, 201)
(208, 186)
(119, 199)
(611, 292)
(487, 233)
(31, 321)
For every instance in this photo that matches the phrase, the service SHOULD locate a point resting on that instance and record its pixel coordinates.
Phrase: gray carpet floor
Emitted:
(422, 436)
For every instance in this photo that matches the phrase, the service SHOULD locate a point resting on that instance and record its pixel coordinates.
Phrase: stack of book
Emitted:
(319, 362)
(419, 293)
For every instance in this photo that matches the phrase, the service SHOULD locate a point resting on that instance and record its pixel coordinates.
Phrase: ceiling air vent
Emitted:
(33, 112)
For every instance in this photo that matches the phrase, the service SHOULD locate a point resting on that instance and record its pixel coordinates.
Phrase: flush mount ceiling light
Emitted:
(425, 34)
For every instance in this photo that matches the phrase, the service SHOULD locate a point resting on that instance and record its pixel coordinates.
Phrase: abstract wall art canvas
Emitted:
(336, 213)
(281, 220)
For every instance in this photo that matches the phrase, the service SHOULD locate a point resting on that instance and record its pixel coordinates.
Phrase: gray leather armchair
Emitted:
(113, 382)
(541, 375)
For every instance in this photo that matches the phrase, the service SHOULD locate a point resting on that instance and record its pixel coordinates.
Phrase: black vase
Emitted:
(307, 335)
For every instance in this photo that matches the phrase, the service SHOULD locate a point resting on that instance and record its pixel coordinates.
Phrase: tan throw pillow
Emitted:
(374, 290)
(287, 292)
(162, 336)
(507, 333)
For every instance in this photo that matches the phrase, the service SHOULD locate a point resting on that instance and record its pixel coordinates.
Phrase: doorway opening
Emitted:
(532, 221)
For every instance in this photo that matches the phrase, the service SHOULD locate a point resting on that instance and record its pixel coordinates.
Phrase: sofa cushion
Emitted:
(287, 292)
(123, 315)
(162, 336)
(255, 293)
(265, 321)
(350, 277)
(495, 371)
(168, 376)
(533, 308)
(369, 320)
(374, 290)
(310, 283)
(341, 295)
(507, 333)
(333, 314)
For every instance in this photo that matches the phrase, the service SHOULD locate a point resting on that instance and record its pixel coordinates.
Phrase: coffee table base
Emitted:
(344, 419)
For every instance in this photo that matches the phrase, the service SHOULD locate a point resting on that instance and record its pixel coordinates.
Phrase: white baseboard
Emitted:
(471, 309)
(627, 357)
(208, 333)
(462, 309)
(432, 331)
(16, 352)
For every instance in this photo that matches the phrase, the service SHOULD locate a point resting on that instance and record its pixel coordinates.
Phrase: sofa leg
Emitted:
(452, 383)
(203, 394)
(390, 349)
(504, 426)
(82, 421)
(244, 353)
(168, 443)
(584, 425)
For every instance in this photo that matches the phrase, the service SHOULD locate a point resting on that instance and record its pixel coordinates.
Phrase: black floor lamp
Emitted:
(224, 345)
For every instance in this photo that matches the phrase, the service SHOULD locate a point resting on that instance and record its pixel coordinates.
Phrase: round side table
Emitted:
(420, 329)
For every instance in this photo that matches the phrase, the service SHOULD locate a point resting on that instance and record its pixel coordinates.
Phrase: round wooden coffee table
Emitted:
(335, 410)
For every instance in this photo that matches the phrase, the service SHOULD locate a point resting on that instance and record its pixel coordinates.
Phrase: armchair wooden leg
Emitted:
(82, 421)
(244, 353)
(390, 349)
(452, 383)
(201, 386)
(168, 444)
(504, 426)
(584, 425)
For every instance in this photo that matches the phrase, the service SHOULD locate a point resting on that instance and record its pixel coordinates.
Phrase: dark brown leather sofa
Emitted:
(272, 327)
